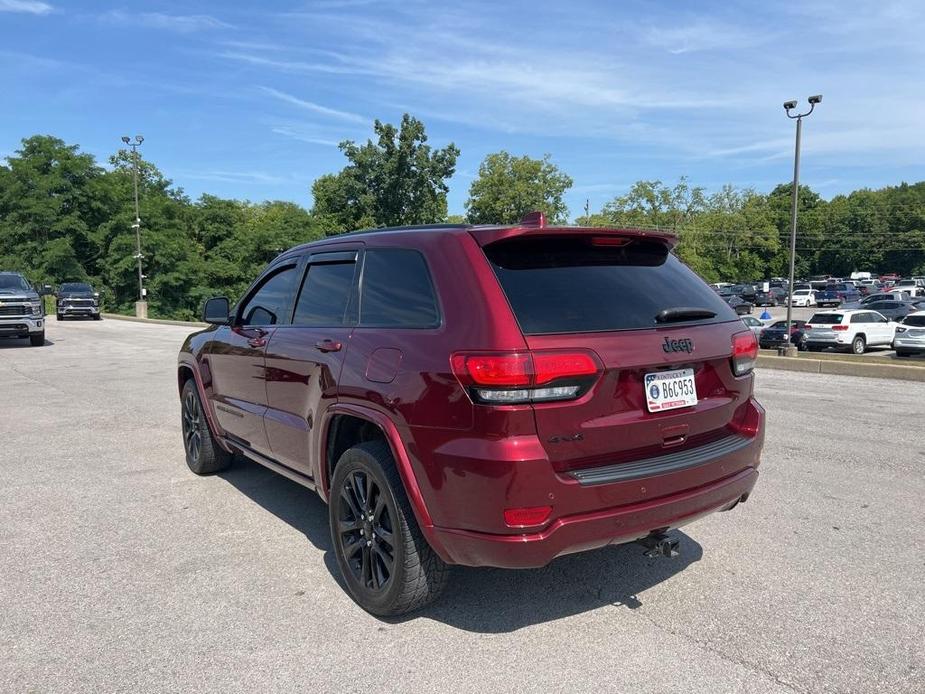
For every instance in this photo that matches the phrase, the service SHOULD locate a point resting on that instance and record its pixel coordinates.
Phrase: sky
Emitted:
(250, 99)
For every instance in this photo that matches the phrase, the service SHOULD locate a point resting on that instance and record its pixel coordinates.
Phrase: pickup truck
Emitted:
(21, 311)
(837, 294)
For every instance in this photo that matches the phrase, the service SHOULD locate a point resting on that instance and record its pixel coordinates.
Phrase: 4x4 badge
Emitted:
(683, 345)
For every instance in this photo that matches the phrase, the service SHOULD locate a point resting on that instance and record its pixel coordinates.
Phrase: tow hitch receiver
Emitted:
(660, 545)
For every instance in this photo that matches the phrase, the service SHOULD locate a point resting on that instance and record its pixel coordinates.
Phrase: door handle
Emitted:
(258, 339)
(328, 345)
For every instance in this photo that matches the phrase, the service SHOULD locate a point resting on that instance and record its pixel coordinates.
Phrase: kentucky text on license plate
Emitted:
(669, 390)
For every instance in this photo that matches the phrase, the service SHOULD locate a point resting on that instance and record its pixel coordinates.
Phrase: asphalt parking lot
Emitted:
(122, 571)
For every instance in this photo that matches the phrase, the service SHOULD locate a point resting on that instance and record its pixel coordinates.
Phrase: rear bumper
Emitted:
(21, 327)
(593, 530)
(594, 507)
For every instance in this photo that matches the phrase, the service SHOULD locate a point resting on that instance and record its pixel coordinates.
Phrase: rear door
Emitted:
(644, 314)
(304, 359)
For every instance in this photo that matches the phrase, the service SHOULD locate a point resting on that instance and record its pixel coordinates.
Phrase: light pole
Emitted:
(790, 350)
(141, 306)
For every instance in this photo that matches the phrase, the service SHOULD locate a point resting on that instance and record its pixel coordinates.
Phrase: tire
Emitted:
(858, 345)
(203, 455)
(97, 316)
(366, 484)
(903, 353)
(37, 339)
(59, 316)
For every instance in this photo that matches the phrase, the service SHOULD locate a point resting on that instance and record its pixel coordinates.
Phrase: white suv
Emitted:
(854, 330)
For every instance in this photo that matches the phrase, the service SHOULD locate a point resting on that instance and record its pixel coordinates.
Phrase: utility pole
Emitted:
(791, 350)
(141, 306)
(587, 211)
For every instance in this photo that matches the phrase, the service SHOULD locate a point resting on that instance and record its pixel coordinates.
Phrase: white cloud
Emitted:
(183, 24)
(27, 6)
(312, 106)
(295, 134)
(257, 177)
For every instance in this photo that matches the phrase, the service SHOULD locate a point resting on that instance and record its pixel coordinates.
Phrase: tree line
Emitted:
(64, 217)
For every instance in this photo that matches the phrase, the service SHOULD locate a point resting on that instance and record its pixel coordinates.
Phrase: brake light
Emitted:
(744, 352)
(610, 241)
(839, 327)
(525, 517)
(524, 377)
(807, 327)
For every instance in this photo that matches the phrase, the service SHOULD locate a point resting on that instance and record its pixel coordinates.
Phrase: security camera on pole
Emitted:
(141, 306)
(791, 350)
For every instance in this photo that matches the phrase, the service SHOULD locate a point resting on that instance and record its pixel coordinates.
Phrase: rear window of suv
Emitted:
(826, 319)
(570, 285)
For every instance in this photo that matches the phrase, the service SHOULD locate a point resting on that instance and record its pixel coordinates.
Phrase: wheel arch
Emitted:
(346, 417)
(187, 371)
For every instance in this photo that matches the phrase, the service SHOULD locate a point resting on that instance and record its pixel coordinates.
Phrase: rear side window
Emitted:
(325, 295)
(570, 285)
(397, 291)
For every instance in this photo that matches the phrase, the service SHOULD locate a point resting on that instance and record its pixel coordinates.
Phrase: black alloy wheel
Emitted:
(203, 455)
(366, 528)
(192, 425)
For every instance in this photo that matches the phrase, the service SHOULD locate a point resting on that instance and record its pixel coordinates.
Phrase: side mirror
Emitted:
(216, 310)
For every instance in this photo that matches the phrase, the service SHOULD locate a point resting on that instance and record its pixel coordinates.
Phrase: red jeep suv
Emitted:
(480, 395)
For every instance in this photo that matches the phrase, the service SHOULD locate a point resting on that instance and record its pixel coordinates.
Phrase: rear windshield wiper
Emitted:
(683, 313)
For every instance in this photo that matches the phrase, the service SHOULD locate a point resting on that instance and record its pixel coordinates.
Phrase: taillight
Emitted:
(839, 327)
(744, 352)
(900, 330)
(525, 377)
(807, 327)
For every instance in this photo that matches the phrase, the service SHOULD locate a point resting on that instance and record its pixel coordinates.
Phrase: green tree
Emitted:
(397, 180)
(509, 187)
(50, 203)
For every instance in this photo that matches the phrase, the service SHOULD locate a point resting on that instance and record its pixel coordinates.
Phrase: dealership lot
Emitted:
(122, 571)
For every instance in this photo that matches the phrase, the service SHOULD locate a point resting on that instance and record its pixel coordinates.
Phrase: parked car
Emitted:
(21, 310)
(738, 304)
(853, 330)
(804, 297)
(486, 396)
(873, 298)
(755, 325)
(837, 294)
(765, 299)
(775, 335)
(893, 310)
(910, 286)
(77, 299)
(746, 292)
(910, 335)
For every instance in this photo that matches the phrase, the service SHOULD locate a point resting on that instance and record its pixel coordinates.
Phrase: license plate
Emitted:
(669, 390)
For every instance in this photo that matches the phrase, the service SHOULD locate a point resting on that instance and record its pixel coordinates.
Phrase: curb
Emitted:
(156, 321)
(842, 368)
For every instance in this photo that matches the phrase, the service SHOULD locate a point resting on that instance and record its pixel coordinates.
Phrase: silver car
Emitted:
(910, 336)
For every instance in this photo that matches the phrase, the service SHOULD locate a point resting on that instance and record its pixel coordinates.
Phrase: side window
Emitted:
(270, 303)
(859, 318)
(397, 290)
(325, 295)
